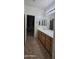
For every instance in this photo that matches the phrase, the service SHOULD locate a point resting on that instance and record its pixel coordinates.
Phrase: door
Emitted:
(30, 25)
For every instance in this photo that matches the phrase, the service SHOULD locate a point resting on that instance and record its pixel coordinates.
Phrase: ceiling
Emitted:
(41, 4)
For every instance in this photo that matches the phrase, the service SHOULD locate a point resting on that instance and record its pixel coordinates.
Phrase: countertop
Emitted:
(48, 32)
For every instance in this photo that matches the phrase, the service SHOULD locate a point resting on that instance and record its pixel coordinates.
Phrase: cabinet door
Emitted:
(49, 44)
(38, 35)
(43, 39)
(41, 36)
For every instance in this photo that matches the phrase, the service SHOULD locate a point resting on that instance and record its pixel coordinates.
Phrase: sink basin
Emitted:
(45, 28)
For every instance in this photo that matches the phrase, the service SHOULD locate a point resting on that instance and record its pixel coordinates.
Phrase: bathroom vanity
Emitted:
(45, 36)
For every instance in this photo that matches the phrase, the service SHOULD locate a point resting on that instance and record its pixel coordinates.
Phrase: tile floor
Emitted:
(34, 50)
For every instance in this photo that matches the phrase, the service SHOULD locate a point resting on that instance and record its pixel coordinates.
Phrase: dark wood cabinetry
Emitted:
(46, 41)
(49, 44)
(43, 38)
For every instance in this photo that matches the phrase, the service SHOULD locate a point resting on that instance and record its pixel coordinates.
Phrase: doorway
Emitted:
(30, 25)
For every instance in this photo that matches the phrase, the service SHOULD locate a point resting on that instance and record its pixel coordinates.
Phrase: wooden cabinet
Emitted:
(39, 35)
(46, 41)
(43, 39)
(49, 44)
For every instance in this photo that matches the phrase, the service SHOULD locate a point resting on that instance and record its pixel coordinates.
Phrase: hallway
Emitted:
(34, 50)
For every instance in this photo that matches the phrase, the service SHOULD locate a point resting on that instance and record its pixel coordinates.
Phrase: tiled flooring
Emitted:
(34, 49)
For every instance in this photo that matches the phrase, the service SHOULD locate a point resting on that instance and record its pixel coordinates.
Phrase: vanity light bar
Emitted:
(51, 10)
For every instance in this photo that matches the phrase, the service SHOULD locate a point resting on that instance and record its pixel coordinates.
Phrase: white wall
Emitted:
(28, 10)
